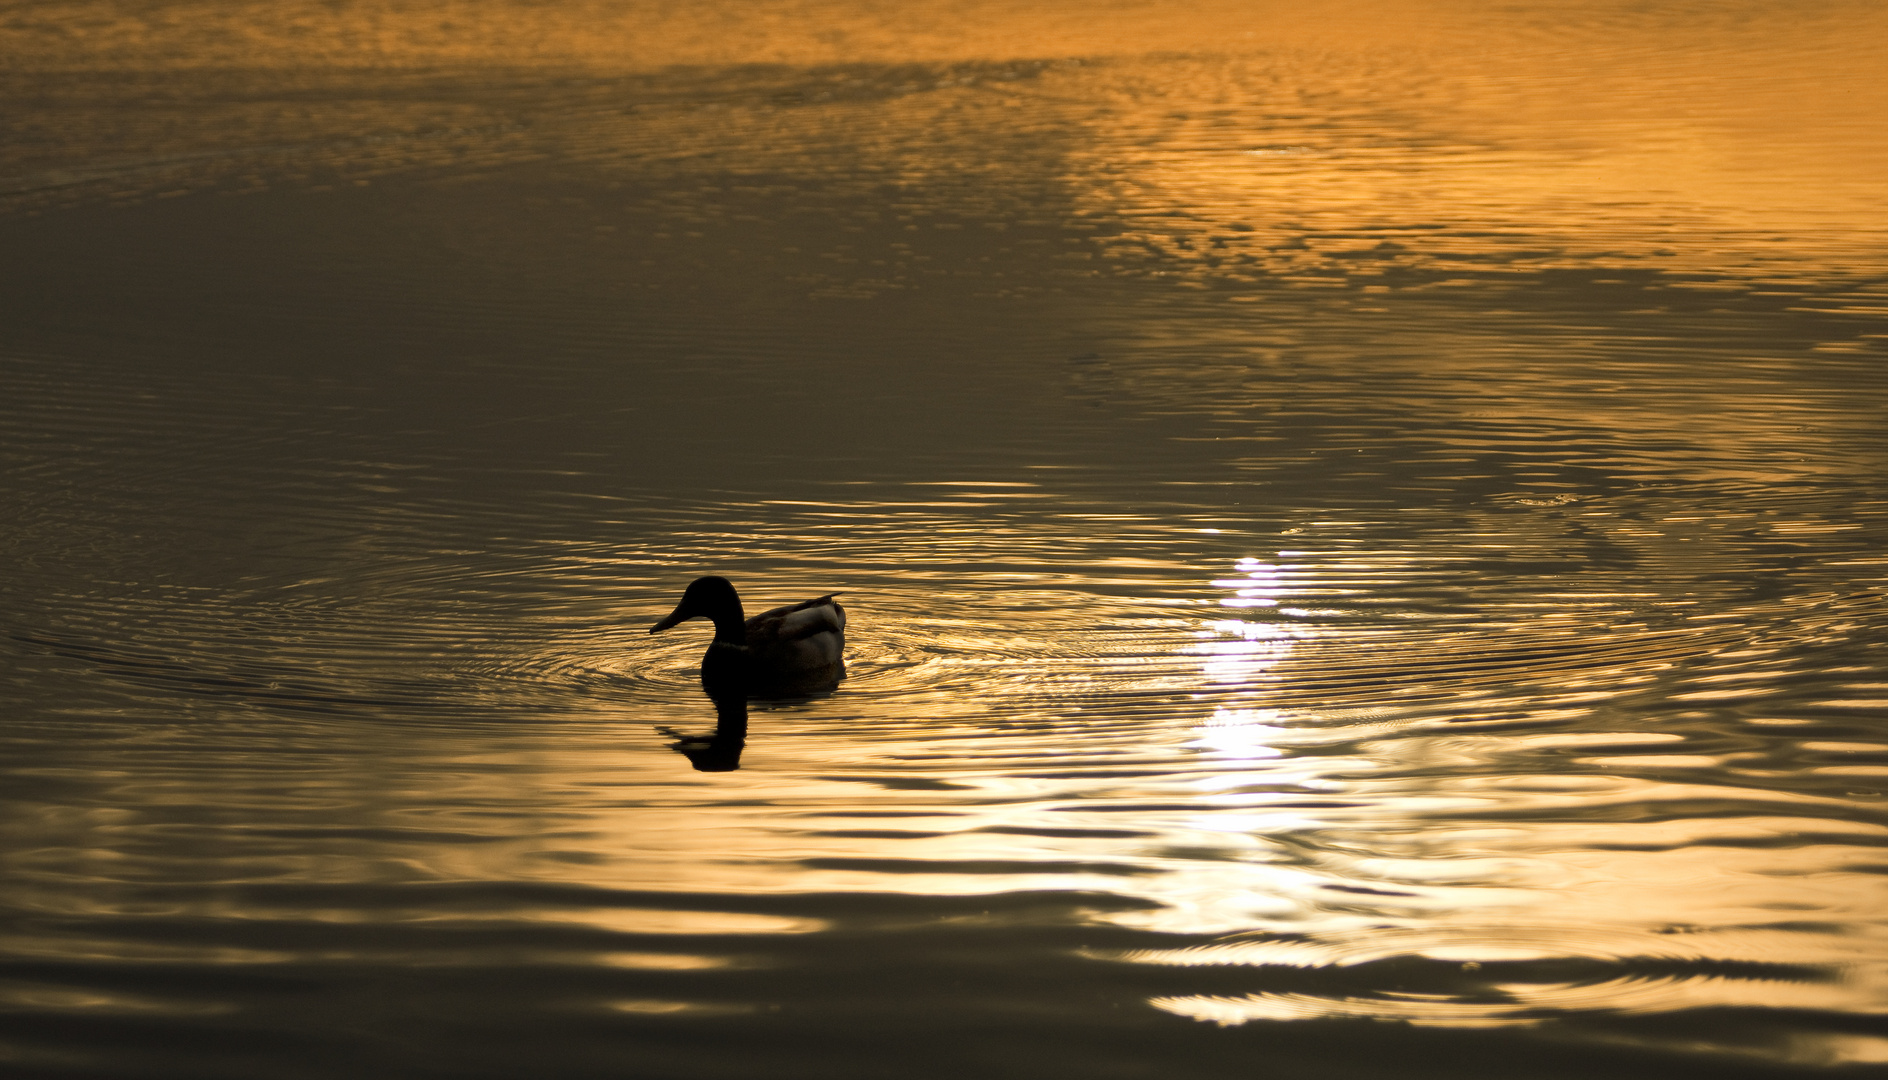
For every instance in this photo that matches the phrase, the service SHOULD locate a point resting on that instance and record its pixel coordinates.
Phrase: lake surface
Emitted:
(1365, 533)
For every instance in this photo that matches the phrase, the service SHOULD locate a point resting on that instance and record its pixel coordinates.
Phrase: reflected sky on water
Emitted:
(1362, 530)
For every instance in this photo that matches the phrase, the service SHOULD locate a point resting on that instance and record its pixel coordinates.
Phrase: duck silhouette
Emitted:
(787, 651)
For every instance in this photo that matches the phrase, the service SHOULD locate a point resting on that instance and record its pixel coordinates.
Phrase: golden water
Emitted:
(1363, 530)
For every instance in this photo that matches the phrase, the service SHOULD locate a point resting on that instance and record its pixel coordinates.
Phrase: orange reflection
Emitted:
(1265, 779)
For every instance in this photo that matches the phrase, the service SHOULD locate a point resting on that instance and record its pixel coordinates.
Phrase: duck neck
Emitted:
(730, 625)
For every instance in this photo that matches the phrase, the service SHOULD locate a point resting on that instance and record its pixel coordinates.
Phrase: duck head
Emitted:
(710, 598)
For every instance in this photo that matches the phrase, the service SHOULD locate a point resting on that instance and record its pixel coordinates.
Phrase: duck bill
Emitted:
(680, 614)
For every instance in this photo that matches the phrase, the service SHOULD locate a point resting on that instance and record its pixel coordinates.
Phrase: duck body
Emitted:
(786, 651)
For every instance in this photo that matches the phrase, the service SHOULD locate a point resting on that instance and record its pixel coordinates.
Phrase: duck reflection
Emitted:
(720, 749)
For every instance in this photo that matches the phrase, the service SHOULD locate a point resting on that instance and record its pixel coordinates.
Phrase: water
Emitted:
(1363, 532)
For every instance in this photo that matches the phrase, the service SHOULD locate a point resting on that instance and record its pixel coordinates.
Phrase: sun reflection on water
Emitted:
(1241, 733)
(1243, 651)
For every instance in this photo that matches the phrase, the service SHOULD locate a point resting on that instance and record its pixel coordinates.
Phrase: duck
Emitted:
(787, 651)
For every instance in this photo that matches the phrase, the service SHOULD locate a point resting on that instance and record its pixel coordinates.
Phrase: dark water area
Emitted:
(1363, 534)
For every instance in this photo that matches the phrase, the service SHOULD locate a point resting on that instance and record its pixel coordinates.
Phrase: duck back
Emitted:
(799, 648)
